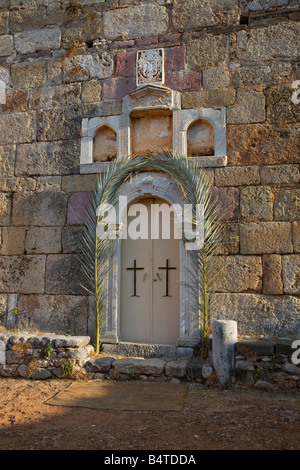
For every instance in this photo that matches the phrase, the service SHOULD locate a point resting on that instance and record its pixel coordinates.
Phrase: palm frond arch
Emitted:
(195, 188)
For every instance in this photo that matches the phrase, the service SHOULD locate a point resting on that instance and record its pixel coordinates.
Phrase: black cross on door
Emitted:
(134, 269)
(167, 268)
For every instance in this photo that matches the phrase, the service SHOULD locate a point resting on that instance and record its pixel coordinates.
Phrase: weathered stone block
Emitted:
(63, 124)
(139, 366)
(296, 236)
(280, 40)
(263, 144)
(17, 128)
(107, 108)
(99, 364)
(71, 342)
(260, 74)
(228, 200)
(63, 275)
(116, 89)
(75, 183)
(41, 374)
(5, 208)
(239, 274)
(44, 209)
(15, 100)
(258, 347)
(6, 45)
(13, 240)
(175, 58)
(7, 160)
(135, 21)
(216, 77)
(4, 15)
(208, 99)
(231, 238)
(91, 91)
(91, 66)
(17, 184)
(272, 275)
(256, 203)
(259, 314)
(187, 14)
(52, 313)
(28, 74)
(266, 238)
(43, 240)
(287, 205)
(48, 158)
(249, 108)
(55, 96)
(55, 71)
(291, 274)
(37, 40)
(48, 183)
(280, 106)
(23, 371)
(176, 368)
(207, 51)
(72, 239)
(280, 174)
(14, 357)
(237, 176)
(26, 18)
(23, 274)
(77, 208)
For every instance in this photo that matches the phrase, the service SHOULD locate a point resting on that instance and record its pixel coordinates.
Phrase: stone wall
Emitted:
(62, 61)
(264, 364)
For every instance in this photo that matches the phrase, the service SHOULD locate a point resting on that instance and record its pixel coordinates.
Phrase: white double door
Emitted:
(150, 286)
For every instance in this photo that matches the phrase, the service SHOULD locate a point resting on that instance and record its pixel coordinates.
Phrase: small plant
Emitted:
(73, 46)
(46, 352)
(74, 7)
(29, 372)
(31, 367)
(20, 348)
(67, 368)
(256, 372)
(239, 373)
(14, 310)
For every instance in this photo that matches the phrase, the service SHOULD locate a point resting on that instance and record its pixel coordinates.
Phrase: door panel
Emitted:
(150, 316)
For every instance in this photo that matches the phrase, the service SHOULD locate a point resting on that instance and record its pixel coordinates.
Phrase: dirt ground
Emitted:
(211, 419)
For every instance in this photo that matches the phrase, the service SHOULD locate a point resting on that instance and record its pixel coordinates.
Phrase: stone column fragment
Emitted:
(224, 339)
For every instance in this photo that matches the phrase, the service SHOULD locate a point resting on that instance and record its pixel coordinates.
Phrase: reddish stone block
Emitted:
(184, 80)
(175, 58)
(125, 64)
(77, 208)
(116, 89)
(228, 199)
(170, 38)
(149, 41)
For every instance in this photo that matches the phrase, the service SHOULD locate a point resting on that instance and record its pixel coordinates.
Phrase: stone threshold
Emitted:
(147, 350)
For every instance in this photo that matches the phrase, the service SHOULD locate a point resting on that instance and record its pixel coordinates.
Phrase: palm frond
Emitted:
(195, 188)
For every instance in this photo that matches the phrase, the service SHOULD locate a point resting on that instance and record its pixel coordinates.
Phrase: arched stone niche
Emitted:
(152, 120)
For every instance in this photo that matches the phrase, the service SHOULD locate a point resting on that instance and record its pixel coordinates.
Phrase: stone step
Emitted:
(147, 350)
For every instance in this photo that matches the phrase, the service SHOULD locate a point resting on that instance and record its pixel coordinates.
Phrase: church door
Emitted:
(150, 284)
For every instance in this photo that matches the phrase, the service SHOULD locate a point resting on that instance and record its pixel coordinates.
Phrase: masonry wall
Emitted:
(63, 61)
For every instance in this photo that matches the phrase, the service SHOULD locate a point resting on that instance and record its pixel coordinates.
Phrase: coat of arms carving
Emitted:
(150, 67)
